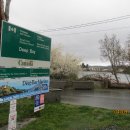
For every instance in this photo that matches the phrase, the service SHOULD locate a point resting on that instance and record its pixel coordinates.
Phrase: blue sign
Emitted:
(38, 102)
(22, 87)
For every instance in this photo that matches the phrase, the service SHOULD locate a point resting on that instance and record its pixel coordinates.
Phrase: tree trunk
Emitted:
(7, 9)
(115, 74)
(2, 15)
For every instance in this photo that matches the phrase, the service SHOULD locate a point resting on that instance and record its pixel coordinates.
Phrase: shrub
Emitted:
(64, 66)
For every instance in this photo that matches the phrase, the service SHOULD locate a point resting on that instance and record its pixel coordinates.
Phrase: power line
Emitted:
(87, 24)
(96, 31)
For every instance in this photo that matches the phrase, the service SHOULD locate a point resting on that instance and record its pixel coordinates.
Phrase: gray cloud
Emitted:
(46, 14)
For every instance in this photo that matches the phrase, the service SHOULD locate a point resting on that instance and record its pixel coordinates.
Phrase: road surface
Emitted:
(104, 98)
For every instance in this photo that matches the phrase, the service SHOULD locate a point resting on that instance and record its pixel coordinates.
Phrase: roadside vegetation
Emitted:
(64, 66)
(118, 56)
(24, 109)
(58, 116)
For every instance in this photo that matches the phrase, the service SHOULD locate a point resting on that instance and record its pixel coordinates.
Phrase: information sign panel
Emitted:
(22, 72)
(23, 48)
(24, 62)
(17, 83)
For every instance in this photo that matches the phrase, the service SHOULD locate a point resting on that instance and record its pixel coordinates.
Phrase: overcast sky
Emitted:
(38, 15)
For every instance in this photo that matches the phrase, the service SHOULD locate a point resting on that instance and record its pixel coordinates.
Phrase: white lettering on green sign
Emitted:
(21, 43)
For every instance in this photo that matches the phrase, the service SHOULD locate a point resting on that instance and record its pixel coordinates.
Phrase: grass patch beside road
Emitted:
(25, 109)
(69, 117)
(58, 116)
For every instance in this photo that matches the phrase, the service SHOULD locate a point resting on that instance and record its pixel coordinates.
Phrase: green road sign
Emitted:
(21, 43)
(22, 72)
(24, 62)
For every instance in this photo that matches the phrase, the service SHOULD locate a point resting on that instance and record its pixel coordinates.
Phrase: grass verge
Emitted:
(58, 116)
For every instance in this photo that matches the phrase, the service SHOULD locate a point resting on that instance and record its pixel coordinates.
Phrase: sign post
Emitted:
(12, 116)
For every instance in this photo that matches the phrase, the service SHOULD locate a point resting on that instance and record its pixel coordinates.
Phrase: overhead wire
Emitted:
(95, 31)
(87, 24)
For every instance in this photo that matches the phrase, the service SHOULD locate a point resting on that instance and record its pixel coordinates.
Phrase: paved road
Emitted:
(104, 98)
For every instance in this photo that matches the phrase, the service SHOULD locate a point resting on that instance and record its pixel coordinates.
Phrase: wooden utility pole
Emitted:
(4, 15)
(7, 9)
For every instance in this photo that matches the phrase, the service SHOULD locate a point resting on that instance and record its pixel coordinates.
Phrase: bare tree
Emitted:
(111, 50)
(126, 53)
(128, 41)
(126, 56)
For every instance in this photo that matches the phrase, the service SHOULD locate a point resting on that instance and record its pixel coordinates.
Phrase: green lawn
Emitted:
(69, 117)
(24, 108)
(59, 116)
